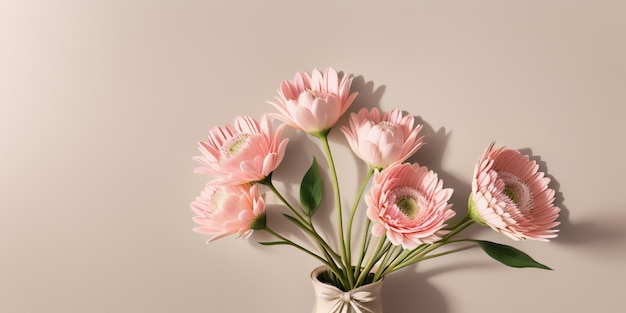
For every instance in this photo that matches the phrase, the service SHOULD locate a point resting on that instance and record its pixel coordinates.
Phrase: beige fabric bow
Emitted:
(330, 299)
(341, 300)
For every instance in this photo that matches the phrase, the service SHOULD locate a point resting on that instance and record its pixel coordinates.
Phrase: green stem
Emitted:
(465, 221)
(364, 244)
(277, 235)
(370, 264)
(420, 253)
(423, 256)
(385, 262)
(335, 182)
(310, 228)
(330, 254)
(384, 250)
(432, 256)
(330, 265)
(268, 182)
(353, 212)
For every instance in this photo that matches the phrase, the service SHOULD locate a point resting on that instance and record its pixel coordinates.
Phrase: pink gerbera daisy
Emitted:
(382, 140)
(247, 152)
(511, 195)
(313, 103)
(409, 204)
(227, 210)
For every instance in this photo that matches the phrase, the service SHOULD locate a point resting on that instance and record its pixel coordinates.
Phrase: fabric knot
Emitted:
(332, 299)
(347, 297)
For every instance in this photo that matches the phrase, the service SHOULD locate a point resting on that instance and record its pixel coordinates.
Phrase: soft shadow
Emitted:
(406, 291)
(409, 290)
(602, 232)
(369, 97)
(431, 155)
(594, 235)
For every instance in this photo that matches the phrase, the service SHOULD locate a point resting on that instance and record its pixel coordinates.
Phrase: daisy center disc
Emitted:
(387, 127)
(517, 191)
(318, 94)
(509, 192)
(408, 206)
(216, 200)
(235, 145)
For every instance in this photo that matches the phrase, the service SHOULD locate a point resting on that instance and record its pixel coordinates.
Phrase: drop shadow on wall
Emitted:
(604, 232)
(409, 289)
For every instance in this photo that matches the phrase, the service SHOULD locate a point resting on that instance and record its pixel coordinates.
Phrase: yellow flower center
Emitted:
(216, 200)
(387, 127)
(235, 145)
(408, 206)
(509, 192)
(317, 93)
(517, 191)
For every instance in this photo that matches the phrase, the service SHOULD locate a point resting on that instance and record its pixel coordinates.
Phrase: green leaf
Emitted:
(508, 255)
(311, 190)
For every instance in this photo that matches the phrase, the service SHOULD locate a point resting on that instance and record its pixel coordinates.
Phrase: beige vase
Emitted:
(330, 299)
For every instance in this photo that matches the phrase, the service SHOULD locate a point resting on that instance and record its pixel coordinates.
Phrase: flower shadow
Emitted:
(596, 238)
(369, 97)
(431, 156)
(409, 290)
(602, 233)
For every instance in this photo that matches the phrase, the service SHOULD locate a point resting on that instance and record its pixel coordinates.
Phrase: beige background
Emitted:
(102, 103)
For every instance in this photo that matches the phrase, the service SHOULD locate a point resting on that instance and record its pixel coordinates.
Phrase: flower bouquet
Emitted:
(407, 207)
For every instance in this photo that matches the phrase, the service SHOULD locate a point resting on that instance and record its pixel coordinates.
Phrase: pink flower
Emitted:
(408, 203)
(227, 210)
(313, 103)
(247, 152)
(382, 141)
(511, 196)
